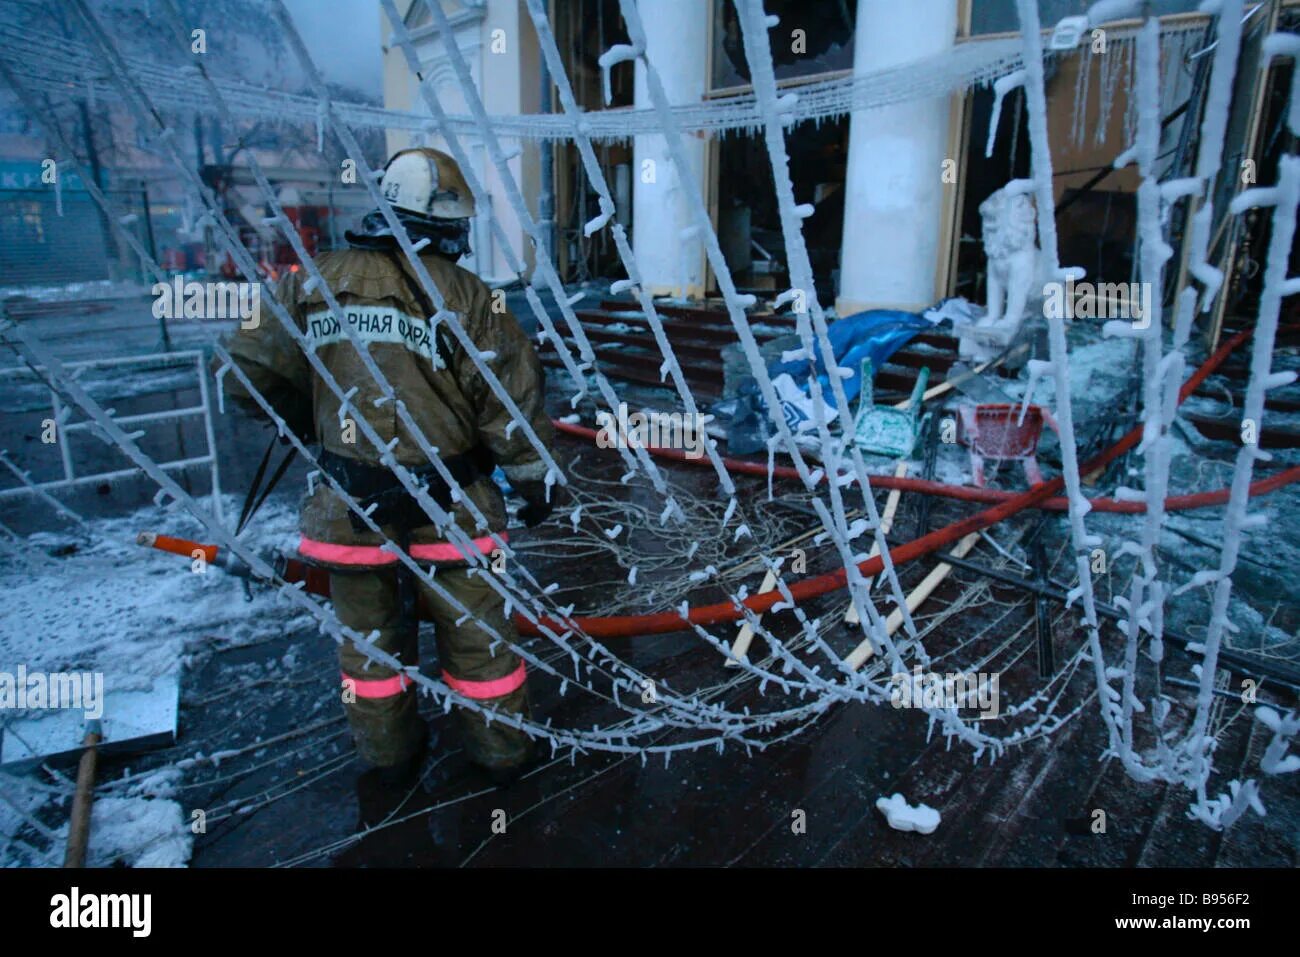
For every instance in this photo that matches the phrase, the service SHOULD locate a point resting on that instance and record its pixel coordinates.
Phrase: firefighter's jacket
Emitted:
(453, 406)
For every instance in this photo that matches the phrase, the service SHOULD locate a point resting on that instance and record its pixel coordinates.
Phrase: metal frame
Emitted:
(71, 479)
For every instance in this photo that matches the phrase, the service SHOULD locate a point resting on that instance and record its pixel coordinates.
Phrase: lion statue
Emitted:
(1010, 234)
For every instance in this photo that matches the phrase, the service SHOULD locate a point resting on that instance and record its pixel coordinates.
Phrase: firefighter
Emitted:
(462, 418)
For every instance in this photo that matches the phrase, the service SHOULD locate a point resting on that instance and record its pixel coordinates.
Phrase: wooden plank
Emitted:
(937, 362)
(945, 386)
(740, 647)
(915, 598)
(1230, 430)
(954, 196)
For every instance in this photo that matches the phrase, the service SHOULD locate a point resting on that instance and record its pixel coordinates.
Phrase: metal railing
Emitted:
(63, 431)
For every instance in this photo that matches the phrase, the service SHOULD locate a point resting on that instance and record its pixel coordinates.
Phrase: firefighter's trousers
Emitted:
(381, 704)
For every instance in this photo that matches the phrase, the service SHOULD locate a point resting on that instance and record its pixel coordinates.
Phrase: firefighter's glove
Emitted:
(537, 509)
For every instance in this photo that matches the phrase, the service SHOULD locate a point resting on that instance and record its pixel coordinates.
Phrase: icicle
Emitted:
(1080, 103)
(616, 54)
(596, 224)
(1001, 87)
(1286, 45)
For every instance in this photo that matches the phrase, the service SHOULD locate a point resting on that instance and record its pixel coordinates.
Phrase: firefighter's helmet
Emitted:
(427, 182)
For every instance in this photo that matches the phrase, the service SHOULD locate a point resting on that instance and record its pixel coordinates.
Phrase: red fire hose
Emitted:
(662, 622)
(966, 493)
(1006, 505)
(969, 493)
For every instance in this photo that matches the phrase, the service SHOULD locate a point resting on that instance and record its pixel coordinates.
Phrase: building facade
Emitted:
(895, 188)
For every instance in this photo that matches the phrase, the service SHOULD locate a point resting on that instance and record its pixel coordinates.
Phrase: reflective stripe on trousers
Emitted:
(372, 555)
(377, 687)
(479, 690)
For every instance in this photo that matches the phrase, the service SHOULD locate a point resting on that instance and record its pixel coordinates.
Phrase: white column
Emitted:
(508, 85)
(677, 37)
(894, 194)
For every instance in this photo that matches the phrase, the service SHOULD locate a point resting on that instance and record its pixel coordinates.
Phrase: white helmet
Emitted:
(428, 183)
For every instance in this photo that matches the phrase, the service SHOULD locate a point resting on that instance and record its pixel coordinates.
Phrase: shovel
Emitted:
(130, 722)
(79, 824)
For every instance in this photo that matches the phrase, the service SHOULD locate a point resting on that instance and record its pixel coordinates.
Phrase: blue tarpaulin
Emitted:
(875, 334)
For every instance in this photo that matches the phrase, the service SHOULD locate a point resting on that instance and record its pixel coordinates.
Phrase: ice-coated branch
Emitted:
(1284, 199)
(543, 264)
(596, 177)
(442, 519)
(1059, 351)
(239, 253)
(815, 335)
(367, 176)
(1285, 728)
